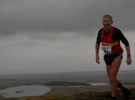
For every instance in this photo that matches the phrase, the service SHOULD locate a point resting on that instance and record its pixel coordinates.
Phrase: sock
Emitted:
(113, 98)
(124, 90)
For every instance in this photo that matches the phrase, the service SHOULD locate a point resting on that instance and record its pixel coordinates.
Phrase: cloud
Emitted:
(23, 54)
(62, 15)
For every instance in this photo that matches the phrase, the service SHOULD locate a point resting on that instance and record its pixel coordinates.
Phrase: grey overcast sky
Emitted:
(46, 36)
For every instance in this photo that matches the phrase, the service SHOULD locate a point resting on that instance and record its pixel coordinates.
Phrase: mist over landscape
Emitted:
(50, 36)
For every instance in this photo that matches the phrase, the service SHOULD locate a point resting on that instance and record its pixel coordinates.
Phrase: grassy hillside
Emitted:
(76, 93)
(80, 96)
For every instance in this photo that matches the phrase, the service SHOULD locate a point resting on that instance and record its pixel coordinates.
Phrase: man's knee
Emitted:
(112, 78)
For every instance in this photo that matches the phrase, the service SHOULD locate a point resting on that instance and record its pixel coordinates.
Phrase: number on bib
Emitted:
(107, 49)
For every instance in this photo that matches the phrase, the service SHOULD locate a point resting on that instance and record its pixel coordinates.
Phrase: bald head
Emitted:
(108, 16)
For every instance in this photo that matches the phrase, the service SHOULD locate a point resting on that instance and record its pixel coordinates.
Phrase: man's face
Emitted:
(107, 22)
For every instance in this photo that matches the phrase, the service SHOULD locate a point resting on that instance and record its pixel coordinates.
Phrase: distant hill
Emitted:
(65, 83)
(93, 76)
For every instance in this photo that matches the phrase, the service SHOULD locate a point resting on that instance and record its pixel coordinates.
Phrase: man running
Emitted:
(110, 37)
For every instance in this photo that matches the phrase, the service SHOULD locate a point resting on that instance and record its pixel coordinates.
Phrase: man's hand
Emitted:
(97, 59)
(129, 60)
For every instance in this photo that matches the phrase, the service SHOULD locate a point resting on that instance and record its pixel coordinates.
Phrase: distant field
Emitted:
(78, 93)
(75, 89)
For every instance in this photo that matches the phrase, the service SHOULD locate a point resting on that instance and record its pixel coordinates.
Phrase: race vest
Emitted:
(109, 46)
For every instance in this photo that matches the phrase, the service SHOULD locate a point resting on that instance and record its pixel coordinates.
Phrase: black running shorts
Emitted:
(110, 58)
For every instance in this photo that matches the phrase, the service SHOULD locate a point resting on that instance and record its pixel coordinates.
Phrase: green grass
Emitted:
(89, 95)
(80, 96)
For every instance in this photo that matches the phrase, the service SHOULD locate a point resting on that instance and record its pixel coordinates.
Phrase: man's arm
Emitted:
(129, 60)
(97, 47)
(126, 43)
(121, 37)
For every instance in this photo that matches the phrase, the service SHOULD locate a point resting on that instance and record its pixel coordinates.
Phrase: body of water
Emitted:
(25, 90)
(98, 84)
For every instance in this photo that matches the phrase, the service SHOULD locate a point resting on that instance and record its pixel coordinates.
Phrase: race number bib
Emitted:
(107, 49)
